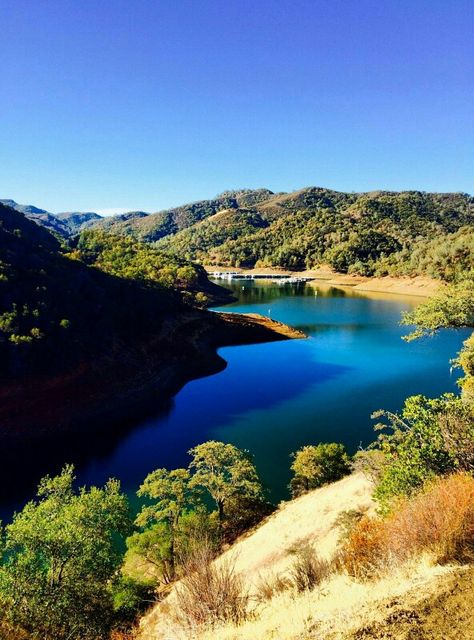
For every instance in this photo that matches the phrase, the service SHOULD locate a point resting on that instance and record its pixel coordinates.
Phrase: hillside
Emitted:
(110, 309)
(379, 233)
(408, 603)
(151, 228)
(62, 224)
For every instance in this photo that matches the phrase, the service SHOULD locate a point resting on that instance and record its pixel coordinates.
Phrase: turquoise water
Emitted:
(273, 398)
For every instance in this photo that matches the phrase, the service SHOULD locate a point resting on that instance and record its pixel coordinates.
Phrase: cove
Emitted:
(273, 398)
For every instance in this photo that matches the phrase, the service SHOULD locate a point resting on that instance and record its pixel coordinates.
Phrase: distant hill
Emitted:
(377, 233)
(63, 224)
(151, 228)
(77, 220)
(40, 216)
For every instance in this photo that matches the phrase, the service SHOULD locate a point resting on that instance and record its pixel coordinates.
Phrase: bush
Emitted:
(130, 598)
(272, 585)
(431, 437)
(308, 570)
(211, 592)
(438, 520)
(315, 466)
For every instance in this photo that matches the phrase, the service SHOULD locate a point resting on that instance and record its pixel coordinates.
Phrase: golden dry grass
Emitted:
(267, 551)
(439, 520)
(408, 589)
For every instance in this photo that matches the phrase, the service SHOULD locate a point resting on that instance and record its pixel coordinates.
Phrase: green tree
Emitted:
(226, 472)
(452, 306)
(315, 466)
(172, 494)
(60, 558)
(431, 437)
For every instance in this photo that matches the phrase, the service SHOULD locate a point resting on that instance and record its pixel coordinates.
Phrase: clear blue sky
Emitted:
(144, 104)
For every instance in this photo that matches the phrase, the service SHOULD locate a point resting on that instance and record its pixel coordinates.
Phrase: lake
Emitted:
(273, 398)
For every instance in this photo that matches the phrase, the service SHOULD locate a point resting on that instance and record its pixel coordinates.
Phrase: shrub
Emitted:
(431, 437)
(211, 592)
(362, 553)
(272, 585)
(130, 598)
(315, 466)
(308, 570)
(438, 520)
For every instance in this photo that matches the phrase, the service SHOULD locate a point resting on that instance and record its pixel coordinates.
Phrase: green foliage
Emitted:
(465, 360)
(197, 242)
(379, 233)
(130, 597)
(225, 472)
(314, 466)
(125, 257)
(172, 494)
(452, 306)
(60, 558)
(177, 522)
(152, 545)
(431, 437)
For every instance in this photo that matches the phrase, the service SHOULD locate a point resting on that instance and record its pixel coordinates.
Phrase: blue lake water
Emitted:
(273, 398)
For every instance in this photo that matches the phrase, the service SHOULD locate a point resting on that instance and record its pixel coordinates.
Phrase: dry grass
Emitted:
(264, 559)
(337, 610)
(308, 569)
(439, 521)
(271, 585)
(435, 526)
(210, 593)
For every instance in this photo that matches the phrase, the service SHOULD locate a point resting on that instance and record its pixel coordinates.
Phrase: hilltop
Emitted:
(379, 233)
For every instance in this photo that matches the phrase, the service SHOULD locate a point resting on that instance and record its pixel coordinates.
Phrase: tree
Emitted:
(226, 472)
(431, 437)
(172, 494)
(315, 466)
(452, 306)
(60, 558)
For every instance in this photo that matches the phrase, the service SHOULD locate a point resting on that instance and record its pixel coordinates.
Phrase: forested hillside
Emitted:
(101, 327)
(151, 228)
(55, 309)
(379, 233)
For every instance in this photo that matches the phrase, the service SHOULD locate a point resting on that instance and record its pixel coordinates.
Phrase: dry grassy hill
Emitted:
(408, 603)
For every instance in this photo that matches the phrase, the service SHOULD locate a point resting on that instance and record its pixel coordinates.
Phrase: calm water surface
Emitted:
(273, 398)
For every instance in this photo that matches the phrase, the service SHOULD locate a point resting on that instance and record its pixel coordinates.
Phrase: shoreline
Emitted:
(418, 286)
(109, 395)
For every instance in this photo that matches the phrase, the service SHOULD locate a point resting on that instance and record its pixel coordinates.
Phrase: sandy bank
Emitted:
(421, 286)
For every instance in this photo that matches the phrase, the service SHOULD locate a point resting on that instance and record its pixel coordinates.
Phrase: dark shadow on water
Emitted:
(259, 376)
